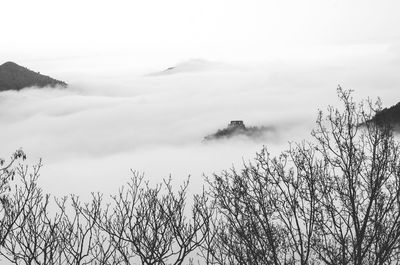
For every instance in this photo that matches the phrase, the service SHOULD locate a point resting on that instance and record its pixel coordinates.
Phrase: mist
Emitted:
(91, 134)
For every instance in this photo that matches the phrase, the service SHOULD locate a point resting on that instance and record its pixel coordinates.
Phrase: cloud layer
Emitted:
(92, 133)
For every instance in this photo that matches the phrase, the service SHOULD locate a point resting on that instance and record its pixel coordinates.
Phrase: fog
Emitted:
(113, 119)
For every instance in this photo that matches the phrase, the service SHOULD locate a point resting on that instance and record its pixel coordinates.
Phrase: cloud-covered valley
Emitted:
(90, 134)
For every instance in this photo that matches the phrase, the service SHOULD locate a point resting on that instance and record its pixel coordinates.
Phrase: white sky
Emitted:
(160, 31)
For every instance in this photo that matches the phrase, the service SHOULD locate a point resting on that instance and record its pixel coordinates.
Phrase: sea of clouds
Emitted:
(91, 134)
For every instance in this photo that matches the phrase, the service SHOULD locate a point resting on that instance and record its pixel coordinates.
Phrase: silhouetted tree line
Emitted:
(335, 200)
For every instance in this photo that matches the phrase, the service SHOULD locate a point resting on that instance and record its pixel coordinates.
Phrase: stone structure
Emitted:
(237, 125)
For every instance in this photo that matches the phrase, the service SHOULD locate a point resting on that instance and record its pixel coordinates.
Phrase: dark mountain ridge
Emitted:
(389, 116)
(16, 77)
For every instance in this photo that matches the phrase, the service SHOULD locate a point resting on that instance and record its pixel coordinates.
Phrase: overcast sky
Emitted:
(153, 31)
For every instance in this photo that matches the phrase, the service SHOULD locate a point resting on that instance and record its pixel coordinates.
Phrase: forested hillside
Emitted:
(16, 77)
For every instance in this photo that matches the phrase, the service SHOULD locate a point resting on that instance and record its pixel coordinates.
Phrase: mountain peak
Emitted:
(190, 66)
(8, 64)
(16, 77)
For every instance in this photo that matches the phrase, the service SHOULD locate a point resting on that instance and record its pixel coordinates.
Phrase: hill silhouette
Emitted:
(16, 77)
(189, 66)
(237, 128)
(389, 116)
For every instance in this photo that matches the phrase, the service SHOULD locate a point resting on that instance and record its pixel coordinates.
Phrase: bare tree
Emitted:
(245, 230)
(152, 224)
(267, 212)
(360, 205)
(78, 235)
(47, 231)
(9, 213)
(294, 193)
(332, 201)
(34, 238)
